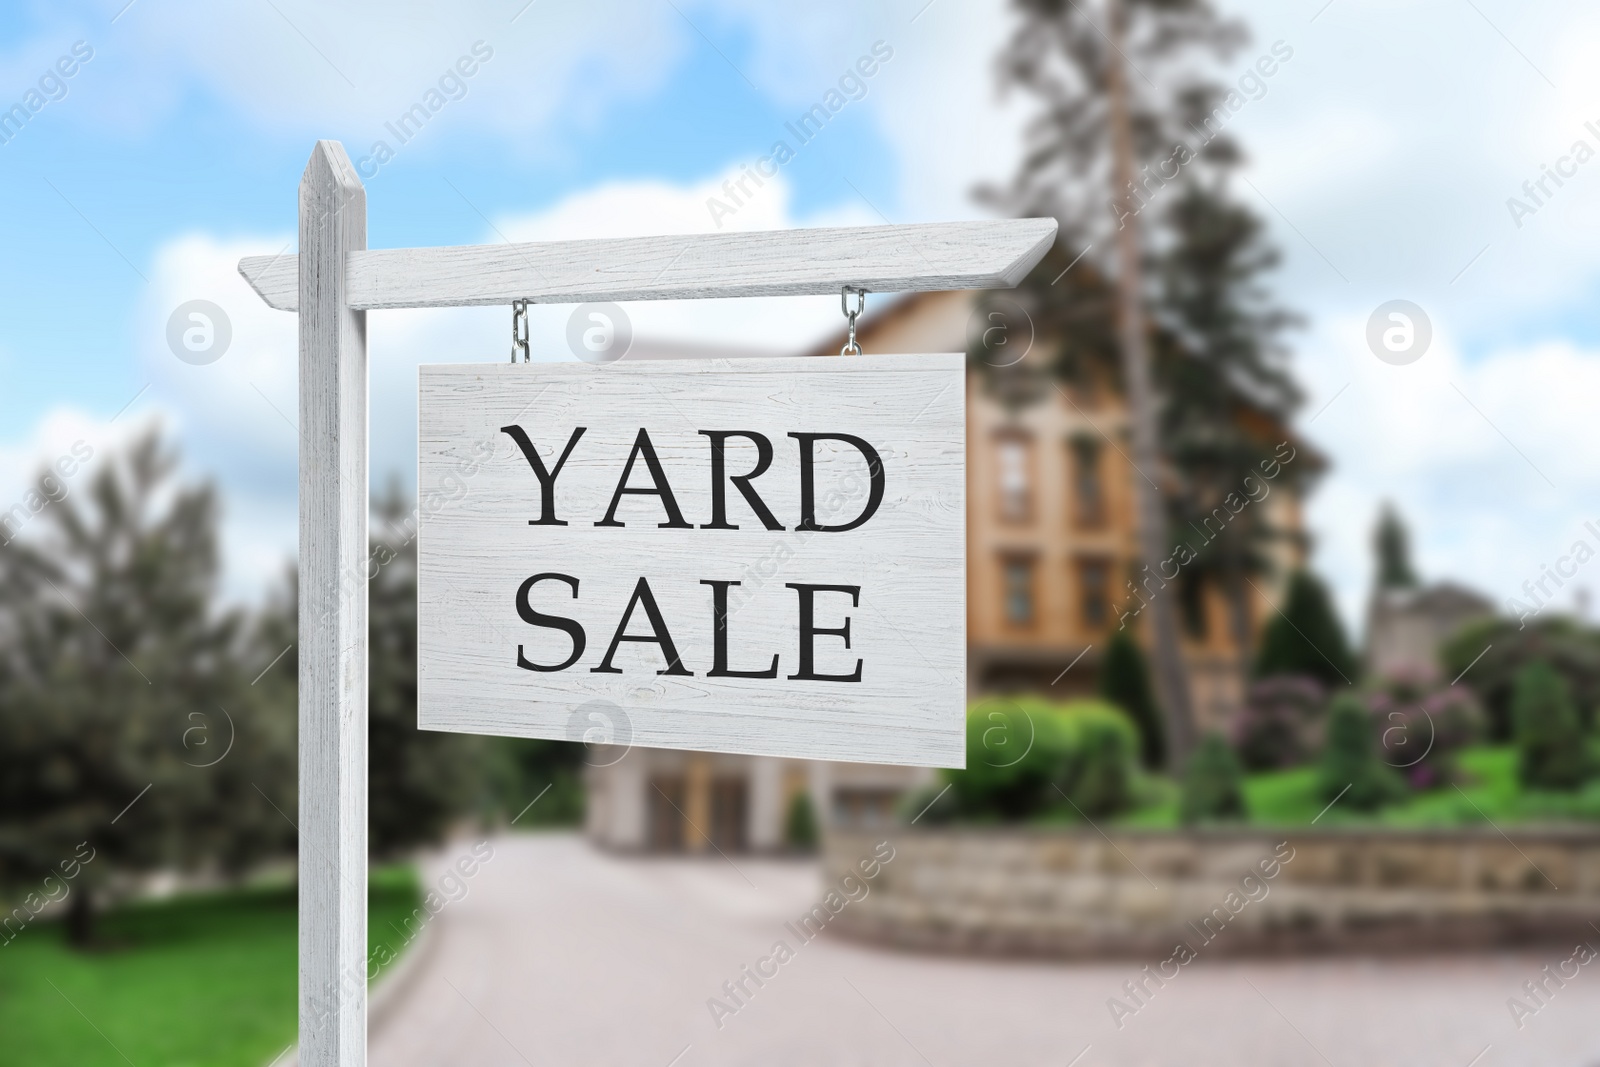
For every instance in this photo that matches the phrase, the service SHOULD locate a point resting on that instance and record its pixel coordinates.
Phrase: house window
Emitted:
(1018, 577)
(1013, 478)
(1088, 484)
(1094, 593)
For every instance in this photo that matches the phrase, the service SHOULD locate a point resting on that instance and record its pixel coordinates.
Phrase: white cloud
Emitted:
(1392, 139)
(297, 64)
(1390, 143)
(1464, 448)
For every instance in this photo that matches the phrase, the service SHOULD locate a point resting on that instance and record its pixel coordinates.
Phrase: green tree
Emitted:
(418, 782)
(1137, 176)
(1552, 752)
(800, 823)
(1213, 784)
(1225, 379)
(546, 774)
(1306, 637)
(1125, 682)
(1392, 546)
(1351, 771)
(126, 732)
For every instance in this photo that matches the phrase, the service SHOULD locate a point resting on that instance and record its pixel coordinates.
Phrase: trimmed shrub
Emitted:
(1015, 749)
(1099, 779)
(1026, 756)
(1276, 728)
(1125, 682)
(1551, 749)
(1213, 784)
(1350, 768)
(800, 823)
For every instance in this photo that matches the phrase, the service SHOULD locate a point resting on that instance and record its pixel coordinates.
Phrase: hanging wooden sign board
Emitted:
(906, 624)
(759, 556)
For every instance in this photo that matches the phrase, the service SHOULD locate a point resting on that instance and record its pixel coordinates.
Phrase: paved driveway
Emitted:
(559, 954)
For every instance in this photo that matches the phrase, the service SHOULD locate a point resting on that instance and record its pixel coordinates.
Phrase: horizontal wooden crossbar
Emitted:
(993, 254)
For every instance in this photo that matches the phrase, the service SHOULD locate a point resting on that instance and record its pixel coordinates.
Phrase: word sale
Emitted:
(643, 598)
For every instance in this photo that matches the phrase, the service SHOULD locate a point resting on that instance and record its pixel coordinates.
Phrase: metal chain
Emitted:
(519, 330)
(851, 348)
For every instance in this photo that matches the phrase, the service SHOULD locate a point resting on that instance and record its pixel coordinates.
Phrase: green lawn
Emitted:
(195, 981)
(1290, 798)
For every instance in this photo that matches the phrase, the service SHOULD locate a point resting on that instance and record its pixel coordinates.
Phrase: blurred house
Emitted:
(660, 800)
(1051, 562)
(1052, 555)
(1407, 627)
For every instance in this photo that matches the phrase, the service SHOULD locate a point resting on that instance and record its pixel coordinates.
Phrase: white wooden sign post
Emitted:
(764, 556)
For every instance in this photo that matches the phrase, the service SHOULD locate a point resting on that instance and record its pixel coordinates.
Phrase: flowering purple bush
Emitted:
(1279, 723)
(1420, 730)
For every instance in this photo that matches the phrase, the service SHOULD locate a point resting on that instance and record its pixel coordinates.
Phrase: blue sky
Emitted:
(1382, 155)
(102, 178)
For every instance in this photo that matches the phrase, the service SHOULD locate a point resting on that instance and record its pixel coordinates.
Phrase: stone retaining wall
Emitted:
(1075, 893)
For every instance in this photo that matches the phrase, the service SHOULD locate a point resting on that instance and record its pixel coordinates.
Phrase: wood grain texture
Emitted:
(881, 259)
(476, 547)
(333, 618)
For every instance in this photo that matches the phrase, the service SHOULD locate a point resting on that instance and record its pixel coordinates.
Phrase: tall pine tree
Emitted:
(1306, 637)
(1128, 152)
(129, 741)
